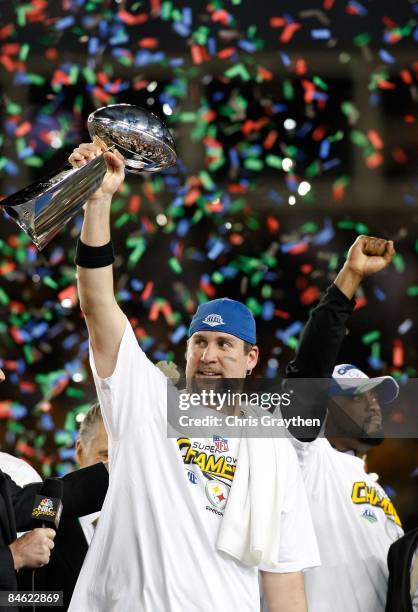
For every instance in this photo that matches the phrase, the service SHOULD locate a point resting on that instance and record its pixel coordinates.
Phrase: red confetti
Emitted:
(270, 139)
(273, 224)
(149, 191)
(306, 268)
(375, 139)
(282, 314)
(7, 267)
(309, 90)
(130, 19)
(6, 30)
(23, 129)
(69, 293)
(318, 133)
(25, 449)
(406, 77)
(221, 16)
(301, 66)
(301, 247)
(148, 43)
(155, 7)
(374, 160)
(134, 204)
(289, 31)
(310, 295)
(214, 207)
(399, 155)
(5, 409)
(360, 303)
(199, 54)
(236, 239)
(208, 289)
(227, 52)
(383, 84)
(192, 196)
(277, 22)
(146, 294)
(397, 354)
(208, 116)
(16, 307)
(266, 75)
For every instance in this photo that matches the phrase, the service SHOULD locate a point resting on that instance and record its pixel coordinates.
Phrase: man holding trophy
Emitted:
(155, 547)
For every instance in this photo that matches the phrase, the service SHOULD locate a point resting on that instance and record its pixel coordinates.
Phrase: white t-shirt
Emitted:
(88, 525)
(19, 470)
(415, 595)
(154, 546)
(355, 524)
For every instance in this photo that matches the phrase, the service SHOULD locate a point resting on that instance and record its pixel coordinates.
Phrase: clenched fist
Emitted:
(33, 549)
(368, 255)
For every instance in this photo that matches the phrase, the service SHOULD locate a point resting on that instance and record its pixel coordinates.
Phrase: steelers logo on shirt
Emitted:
(217, 493)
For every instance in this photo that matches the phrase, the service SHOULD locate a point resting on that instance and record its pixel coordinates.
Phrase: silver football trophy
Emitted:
(43, 208)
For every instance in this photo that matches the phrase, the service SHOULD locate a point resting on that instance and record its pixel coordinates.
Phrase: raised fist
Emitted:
(368, 255)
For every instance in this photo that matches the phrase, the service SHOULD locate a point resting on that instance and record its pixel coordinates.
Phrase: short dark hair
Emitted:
(91, 419)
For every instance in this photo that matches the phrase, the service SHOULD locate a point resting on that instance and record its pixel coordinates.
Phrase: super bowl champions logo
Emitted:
(362, 493)
(45, 508)
(218, 471)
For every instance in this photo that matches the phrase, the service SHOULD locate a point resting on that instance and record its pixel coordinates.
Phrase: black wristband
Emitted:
(93, 256)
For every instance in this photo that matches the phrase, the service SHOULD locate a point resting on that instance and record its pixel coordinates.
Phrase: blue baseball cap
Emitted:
(349, 380)
(227, 316)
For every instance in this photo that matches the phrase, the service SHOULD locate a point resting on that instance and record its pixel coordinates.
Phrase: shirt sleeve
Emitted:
(309, 373)
(298, 549)
(135, 392)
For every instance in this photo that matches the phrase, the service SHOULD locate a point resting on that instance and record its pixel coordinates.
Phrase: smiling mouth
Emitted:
(208, 374)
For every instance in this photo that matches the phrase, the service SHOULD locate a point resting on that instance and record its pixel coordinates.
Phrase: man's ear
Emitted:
(78, 452)
(252, 357)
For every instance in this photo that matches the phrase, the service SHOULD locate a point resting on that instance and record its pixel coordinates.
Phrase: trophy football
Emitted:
(43, 208)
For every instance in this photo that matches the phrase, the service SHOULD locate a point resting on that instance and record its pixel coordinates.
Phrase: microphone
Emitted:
(47, 507)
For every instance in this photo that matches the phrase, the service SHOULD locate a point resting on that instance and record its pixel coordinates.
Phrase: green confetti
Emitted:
(175, 265)
(4, 298)
(362, 39)
(238, 70)
(371, 337)
(49, 282)
(399, 262)
(274, 161)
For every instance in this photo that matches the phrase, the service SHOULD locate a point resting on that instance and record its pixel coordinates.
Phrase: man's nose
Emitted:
(209, 354)
(373, 402)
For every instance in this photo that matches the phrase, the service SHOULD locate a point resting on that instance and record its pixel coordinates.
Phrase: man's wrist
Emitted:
(348, 280)
(100, 201)
(14, 551)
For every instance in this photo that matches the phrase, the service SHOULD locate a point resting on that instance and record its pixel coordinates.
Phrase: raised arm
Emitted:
(326, 328)
(105, 320)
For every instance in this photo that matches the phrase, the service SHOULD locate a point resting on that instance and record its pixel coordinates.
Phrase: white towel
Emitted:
(250, 528)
